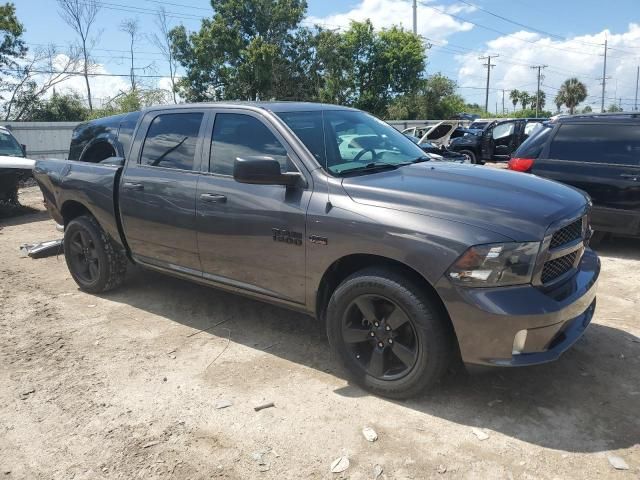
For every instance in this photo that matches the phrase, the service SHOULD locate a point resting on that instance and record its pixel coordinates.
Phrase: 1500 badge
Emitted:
(286, 236)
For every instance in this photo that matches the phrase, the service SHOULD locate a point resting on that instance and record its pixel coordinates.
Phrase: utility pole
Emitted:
(503, 112)
(604, 75)
(637, 78)
(415, 17)
(539, 68)
(489, 67)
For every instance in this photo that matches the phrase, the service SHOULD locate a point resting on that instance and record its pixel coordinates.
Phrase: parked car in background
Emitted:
(441, 152)
(404, 260)
(497, 141)
(597, 153)
(14, 165)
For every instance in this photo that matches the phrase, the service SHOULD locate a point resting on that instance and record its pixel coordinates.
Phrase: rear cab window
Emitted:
(612, 143)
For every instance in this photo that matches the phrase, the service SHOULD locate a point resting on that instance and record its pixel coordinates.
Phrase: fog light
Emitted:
(518, 342)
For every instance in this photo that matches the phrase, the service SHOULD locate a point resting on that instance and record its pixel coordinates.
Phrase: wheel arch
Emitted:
(73, 209)
(349, 264)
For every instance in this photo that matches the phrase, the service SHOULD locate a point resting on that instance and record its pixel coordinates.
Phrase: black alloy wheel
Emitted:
(84, 257)
(380, 336)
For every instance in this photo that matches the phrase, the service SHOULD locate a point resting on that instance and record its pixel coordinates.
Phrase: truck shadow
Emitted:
(588, 401)
(620, 247)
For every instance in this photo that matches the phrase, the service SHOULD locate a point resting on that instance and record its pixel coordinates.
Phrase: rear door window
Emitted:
(613, 143)
(171, 141)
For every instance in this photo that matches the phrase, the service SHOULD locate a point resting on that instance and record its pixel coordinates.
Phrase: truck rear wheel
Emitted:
(390, 336)
(95, 264)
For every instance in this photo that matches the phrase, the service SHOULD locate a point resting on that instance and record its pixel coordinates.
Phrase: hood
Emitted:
(517, 205)
(16, 162)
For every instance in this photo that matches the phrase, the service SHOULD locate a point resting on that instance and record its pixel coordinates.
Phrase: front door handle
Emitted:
(213, 198)
(138, 187)
(632, 176)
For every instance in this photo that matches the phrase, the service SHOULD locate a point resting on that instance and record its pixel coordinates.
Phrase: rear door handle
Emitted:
(632, 176)
(138, 187)
(213, 198)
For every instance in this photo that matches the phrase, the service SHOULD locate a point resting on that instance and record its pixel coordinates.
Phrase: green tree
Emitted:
(614, 108)
(534, 99)
(571, 93)
(60, 108)
(243, 52)
(368, 69)
(436, 98)
(587, 109)
(514, 95)
(525, 99)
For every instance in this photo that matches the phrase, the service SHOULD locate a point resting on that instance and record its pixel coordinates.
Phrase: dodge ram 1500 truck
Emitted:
(408, 261)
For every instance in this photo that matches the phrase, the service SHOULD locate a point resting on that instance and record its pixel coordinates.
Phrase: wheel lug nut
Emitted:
(376, 324)
(372, 334)
(390, 341)
(380, 344)
(387, 328)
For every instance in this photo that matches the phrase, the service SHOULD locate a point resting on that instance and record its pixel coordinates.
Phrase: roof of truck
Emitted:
(272, 106)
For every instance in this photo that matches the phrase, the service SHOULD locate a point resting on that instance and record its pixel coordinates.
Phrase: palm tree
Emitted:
(534, 100)
(525, 99)
(558, 101)
(514, 95)
(571, 93)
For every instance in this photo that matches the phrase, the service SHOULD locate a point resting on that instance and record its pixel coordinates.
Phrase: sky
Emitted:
(565, 35)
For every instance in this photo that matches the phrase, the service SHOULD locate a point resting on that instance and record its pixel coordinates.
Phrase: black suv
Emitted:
(599, 154)
(497, 141)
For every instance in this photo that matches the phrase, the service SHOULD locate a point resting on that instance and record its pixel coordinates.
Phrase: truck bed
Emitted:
(69, 184)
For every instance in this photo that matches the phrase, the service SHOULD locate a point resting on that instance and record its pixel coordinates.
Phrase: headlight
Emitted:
(495, 264)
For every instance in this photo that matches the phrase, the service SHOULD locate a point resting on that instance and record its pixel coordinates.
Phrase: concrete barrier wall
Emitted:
(43, 139)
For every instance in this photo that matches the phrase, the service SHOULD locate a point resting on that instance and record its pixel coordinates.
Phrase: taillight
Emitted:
(521, 164)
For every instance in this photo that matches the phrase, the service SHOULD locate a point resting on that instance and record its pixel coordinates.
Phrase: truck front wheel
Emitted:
(392, 338)
(94, 262)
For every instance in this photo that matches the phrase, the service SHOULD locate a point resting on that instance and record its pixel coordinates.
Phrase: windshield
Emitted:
(9, 146)
(346, 141)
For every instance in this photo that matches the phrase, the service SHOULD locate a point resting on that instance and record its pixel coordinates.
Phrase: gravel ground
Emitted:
(125, 385)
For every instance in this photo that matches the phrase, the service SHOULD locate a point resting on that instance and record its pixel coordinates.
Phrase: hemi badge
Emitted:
(318, 239)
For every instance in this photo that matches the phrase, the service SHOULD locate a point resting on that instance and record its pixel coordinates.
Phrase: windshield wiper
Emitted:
(370, 167)
(415, 160)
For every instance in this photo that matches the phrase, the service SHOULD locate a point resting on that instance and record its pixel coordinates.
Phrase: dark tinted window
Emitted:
(171, 140)
(604, 143)
(439, 131)
(9, 146)
(532, 147)
(236, 135)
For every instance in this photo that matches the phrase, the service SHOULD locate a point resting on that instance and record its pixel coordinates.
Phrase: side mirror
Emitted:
(263, 171)
(24, 149)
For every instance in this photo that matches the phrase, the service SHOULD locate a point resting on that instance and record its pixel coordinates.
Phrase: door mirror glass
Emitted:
(263, 170)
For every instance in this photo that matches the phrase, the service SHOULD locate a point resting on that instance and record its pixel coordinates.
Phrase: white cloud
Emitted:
(103, 87)
(575, 57)
(432, 23)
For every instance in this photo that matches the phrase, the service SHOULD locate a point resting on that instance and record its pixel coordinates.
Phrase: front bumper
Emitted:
(487, 320)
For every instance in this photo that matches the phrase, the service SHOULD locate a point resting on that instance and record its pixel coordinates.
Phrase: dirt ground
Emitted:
(125, 385)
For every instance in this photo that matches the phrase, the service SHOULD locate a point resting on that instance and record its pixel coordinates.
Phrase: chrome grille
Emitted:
(567, 234)
(562, 251)
(558, 267)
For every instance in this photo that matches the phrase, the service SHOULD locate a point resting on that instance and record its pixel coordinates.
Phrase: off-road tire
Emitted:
(433, 332)
(112, 262)
(472, 156)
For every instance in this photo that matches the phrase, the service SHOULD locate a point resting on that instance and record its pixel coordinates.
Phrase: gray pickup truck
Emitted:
(330, 211)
